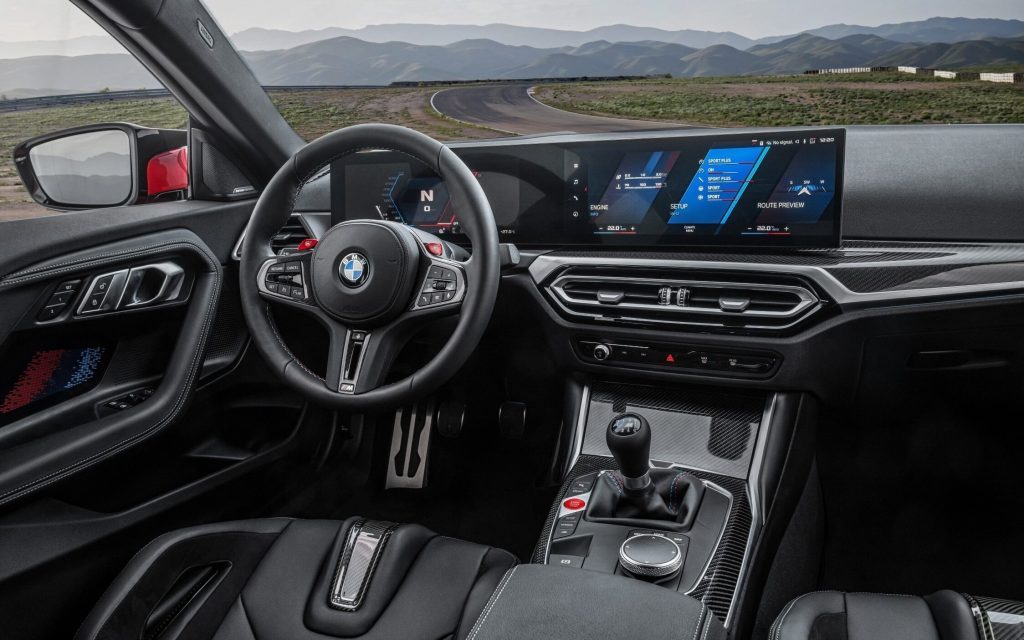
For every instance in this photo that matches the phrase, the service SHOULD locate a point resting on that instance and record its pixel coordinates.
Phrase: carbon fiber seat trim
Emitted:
(998, 619)
(364, 544)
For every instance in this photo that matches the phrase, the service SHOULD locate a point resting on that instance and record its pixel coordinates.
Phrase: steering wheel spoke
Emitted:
(359, 360)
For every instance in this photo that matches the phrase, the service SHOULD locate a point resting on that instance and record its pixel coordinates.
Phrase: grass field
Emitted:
(881, 98)
(312, 113)
(741, 101)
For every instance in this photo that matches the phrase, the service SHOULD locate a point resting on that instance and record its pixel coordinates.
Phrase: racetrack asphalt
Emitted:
(510, 108)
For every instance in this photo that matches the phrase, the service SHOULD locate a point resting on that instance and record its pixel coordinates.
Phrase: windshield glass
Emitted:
(457, 70)
(468, 70)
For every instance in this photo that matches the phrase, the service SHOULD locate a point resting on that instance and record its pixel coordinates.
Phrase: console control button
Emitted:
(566, 525)
(559, 560)
(650, 556)
(574, 504)
(581, 485)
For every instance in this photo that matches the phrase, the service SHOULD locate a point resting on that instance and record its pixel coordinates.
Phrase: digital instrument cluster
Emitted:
(736, 189)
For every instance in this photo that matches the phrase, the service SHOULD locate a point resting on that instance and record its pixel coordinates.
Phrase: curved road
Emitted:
(510, 108)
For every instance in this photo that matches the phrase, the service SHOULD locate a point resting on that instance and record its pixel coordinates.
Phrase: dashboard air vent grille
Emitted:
(705, 300)
(290, 235)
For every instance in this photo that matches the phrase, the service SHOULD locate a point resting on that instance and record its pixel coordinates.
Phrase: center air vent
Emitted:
(722, 301)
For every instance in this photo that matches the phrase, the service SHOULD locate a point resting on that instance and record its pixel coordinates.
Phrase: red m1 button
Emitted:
(574, 503)
(307, 244)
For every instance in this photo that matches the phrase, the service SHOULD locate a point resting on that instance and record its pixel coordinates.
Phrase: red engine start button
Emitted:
(574, 504)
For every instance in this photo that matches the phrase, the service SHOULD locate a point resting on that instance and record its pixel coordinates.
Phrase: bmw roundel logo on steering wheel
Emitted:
(354, 269)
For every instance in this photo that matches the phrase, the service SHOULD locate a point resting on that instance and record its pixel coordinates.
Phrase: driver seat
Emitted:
(296, 579)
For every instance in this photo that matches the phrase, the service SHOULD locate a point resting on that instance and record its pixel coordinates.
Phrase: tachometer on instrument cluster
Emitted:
(399, 192)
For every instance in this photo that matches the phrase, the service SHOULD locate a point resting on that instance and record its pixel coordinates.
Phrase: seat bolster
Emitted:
(833, 615)
(123, 609)
(798, 617)
(953, 616)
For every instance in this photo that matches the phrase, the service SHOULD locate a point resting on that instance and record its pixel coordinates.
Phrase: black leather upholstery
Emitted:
(269, 579)
(542, 601)
(672, 499)
(833, 615)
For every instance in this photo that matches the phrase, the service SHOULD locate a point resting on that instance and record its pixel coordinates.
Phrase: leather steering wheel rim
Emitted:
(481, 272)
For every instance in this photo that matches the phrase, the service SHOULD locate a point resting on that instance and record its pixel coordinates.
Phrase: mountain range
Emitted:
(347, 60)
(932, 30)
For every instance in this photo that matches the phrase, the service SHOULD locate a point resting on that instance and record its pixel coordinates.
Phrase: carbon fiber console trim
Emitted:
(718, 584)
(698, 429)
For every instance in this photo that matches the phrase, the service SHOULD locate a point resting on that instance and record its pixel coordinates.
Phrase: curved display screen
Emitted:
(734, 189)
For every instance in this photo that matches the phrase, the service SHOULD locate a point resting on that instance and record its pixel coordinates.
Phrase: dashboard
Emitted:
(769, 189)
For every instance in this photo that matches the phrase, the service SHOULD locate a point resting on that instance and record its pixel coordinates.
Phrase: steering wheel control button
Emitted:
(650, 555)
(354, 269)
(286, 279)
(574, 504)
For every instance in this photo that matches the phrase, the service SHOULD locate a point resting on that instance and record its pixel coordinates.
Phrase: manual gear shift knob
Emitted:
(629, 440)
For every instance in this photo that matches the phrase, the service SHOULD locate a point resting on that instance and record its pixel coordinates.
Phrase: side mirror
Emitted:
(104, 165)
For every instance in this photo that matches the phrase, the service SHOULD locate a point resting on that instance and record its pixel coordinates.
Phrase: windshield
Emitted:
(457, 70)
(468, 70)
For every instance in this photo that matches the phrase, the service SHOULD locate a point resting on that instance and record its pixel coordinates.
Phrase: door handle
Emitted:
(152, 284)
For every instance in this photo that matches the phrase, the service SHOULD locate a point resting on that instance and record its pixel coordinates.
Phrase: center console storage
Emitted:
(659, 488)
(535, 601)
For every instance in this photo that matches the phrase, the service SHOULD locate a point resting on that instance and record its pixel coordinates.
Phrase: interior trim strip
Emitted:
(757, 508)
(544, 266)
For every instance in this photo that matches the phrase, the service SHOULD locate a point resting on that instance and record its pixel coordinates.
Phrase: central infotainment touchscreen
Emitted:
(716, 190)
(776, 188)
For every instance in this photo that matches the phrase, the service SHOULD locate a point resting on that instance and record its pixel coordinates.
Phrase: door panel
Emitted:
(205, 432)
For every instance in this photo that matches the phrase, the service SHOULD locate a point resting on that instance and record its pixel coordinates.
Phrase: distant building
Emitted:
(1002, 77)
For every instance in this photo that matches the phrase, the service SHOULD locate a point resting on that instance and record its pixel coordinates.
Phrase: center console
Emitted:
(662, 487)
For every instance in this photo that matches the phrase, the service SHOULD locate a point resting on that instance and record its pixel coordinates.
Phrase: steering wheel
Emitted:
(371, 283)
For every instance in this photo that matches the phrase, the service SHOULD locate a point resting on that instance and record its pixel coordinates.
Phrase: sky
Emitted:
(58, 19)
